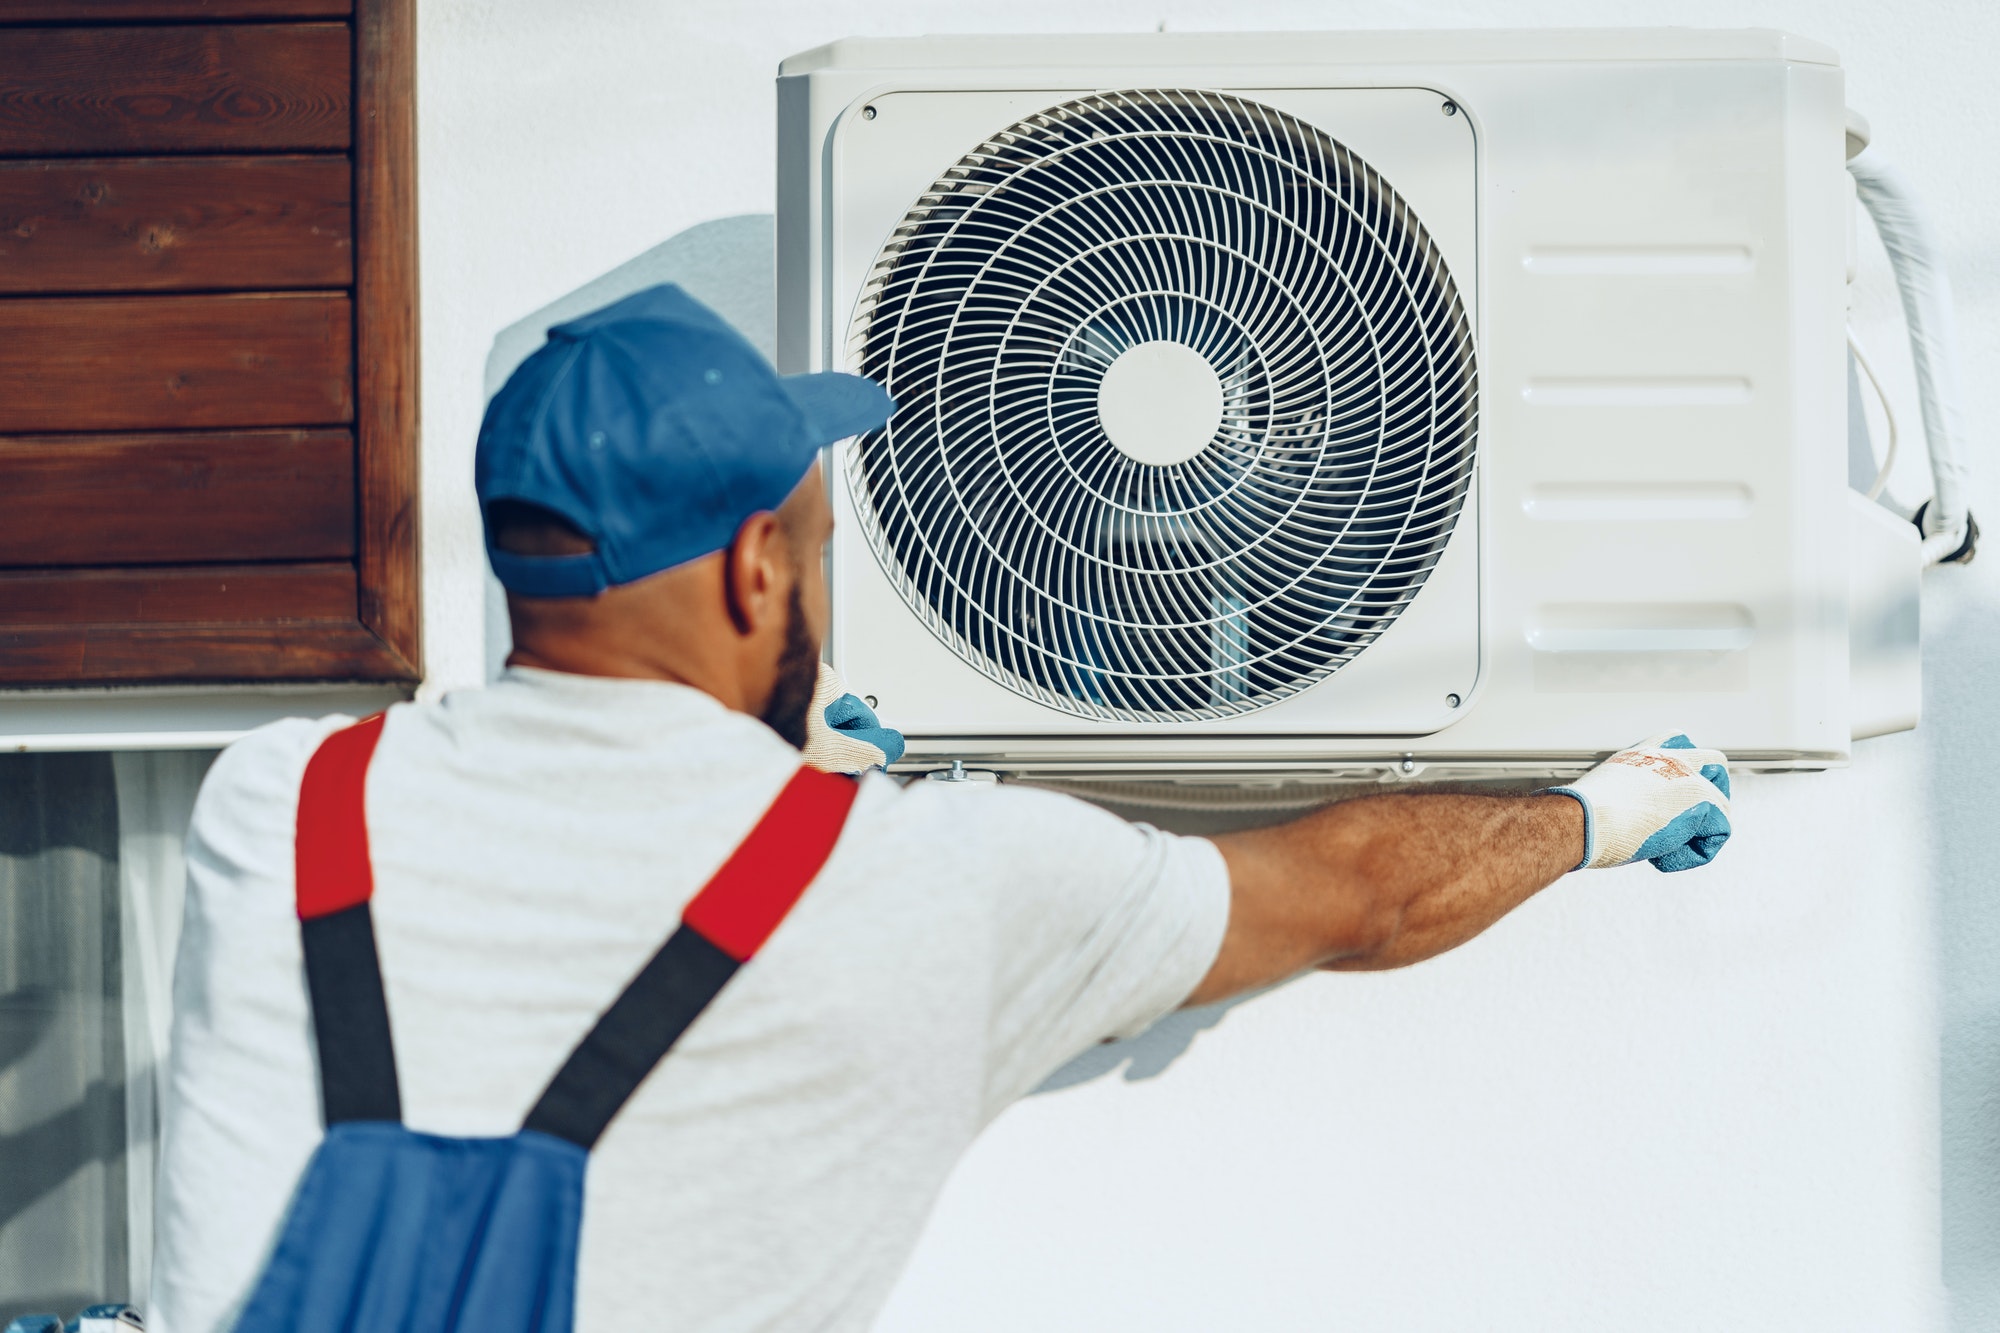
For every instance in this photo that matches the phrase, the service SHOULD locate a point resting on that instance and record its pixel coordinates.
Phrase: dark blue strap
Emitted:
(634, 1034)
(357, 1057)
(721, 929)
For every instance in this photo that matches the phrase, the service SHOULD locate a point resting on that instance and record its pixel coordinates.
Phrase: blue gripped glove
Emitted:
(1653, 803)
(843, 734)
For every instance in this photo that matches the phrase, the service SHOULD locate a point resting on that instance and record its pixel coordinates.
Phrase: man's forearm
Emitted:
(1453, 865)
(1384, 881)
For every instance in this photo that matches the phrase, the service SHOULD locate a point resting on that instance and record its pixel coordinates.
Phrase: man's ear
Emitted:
(753, 573)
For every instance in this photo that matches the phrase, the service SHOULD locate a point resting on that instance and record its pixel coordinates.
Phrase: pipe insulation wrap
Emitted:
(1926, 294)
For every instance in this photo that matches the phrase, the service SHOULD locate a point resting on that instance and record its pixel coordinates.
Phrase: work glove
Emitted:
(1662, 801)
(842, 733)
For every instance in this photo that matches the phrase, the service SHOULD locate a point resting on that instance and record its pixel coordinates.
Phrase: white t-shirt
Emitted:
(533, 844)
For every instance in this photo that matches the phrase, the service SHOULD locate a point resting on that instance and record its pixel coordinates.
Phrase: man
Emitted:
(654, 505)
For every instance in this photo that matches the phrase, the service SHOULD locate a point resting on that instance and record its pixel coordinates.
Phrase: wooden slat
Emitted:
(176, 499)
(385, 189)
(174, 89)
(101, 11)
(69, 655)
(205, 595)
(148, 362)
(165, 223)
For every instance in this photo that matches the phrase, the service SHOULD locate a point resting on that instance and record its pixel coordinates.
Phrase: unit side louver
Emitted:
(1090, 575)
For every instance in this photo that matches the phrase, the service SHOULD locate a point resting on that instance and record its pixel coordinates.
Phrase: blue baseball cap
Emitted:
(655, 429)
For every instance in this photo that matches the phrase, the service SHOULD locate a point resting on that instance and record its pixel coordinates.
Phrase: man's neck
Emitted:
(612, 666)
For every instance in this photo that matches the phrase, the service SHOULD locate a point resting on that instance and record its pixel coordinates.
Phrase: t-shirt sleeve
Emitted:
(241, 1110)
(1098, 926)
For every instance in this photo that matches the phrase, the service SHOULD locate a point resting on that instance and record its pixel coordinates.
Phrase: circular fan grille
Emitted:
(1187, 406)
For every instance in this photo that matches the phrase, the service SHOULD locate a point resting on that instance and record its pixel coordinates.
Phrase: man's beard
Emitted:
(798, 673)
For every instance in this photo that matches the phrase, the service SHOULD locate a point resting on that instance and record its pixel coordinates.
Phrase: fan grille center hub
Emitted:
(1160, 403)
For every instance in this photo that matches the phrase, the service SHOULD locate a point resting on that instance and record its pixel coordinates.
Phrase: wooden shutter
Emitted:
(208, 427)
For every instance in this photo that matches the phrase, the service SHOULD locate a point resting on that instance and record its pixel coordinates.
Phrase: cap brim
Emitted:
(836, 406)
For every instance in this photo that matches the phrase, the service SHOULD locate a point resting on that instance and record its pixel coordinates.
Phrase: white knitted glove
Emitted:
(842, 733)
(1662, 801)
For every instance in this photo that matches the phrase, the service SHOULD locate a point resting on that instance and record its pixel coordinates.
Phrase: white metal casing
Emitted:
(1649, 230)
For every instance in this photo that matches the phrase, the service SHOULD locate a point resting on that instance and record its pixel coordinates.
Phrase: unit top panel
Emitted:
(1473, 46)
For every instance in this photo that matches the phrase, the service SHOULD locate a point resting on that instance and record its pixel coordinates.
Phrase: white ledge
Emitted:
(168, 718)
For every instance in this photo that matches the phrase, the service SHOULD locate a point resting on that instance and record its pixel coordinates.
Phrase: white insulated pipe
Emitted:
(1926, 293)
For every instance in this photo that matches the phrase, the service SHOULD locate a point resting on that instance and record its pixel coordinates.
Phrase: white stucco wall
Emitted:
(1761, 1097)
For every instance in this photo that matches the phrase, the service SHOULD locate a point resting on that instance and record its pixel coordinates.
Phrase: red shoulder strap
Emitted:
(746, 899)
(333, 883)
(331, 849)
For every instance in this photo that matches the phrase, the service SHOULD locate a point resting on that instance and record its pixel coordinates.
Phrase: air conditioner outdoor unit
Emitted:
(1311, 404)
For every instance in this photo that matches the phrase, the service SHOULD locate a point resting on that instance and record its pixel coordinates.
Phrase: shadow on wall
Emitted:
(1149, 1054)
(1963, 799)
(726, 264)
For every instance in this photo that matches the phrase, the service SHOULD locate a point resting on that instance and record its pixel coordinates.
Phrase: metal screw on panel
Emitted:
(1409, 764)
(1451, 108)
(869, 699)
(1452, 701)
(868, 113)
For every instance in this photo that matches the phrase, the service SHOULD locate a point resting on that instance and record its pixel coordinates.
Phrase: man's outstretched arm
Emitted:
(1385, 881)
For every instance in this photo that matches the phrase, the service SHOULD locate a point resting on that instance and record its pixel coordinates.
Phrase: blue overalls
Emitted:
(395, 1231)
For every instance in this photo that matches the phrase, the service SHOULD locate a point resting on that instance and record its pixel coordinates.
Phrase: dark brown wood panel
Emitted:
(177, 499)
(212, 594)
(167, 223)
(142, 362)
(101, 11)
(208, 342)
(115, 654)
(385, 176)
(174, 89)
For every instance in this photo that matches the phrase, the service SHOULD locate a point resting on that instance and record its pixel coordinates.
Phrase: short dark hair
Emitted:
(520, 528)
